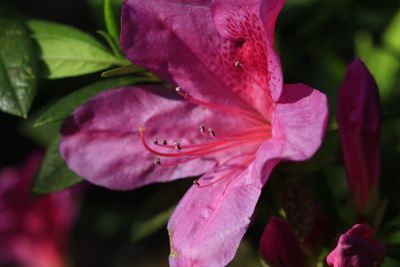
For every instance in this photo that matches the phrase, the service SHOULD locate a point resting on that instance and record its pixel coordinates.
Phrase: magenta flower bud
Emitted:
(357, 248)
(278, 245)
(358, 116)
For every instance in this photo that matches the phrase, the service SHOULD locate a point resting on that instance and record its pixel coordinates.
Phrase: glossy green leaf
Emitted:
(54, 174)
(18, 64)
(67, 51)
(111, 21)
(64, 107)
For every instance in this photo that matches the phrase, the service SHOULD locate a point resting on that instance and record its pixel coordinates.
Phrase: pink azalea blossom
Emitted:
(33, 231)
(279, 247)
(357, 248)
(358, 116)
(230, 120)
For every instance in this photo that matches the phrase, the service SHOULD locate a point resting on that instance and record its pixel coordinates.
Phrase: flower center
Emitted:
(178, 153)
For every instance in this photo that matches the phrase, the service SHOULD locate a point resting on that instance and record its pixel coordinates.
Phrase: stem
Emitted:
(116, 51)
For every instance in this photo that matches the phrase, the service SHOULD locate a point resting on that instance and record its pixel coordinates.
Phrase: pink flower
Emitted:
(279, 247)
(33, 231)
(230, 120)
(358, 116)
(356, 248)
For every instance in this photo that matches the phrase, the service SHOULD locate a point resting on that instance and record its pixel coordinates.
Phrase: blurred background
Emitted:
(316, 40)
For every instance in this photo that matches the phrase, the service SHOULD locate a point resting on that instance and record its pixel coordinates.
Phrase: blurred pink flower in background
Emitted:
(358, 116)
(231, 119)
(279, 247)
(357, 248)
(33, 230)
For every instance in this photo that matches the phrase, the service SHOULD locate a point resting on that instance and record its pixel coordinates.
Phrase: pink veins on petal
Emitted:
(256, 134)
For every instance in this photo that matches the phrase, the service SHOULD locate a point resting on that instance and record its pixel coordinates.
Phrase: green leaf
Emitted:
(67, 52)
(64, 107)
(96, 8)
(393, 238)
(390, 262)
(111, 21)
(54, 174)
(42, 136)
(383, 65)
(18, 64)
(391, 36)
(142, 229)
(121, 71)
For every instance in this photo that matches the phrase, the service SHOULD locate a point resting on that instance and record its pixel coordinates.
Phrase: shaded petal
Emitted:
(155, 32)
(278, 245)
(209, 222)
(101, 141)
(358, 116)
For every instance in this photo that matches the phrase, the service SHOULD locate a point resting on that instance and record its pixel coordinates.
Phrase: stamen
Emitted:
(155, 141)
(238, 64)
(211, 132)
(205, 149)
(178, 145)
(202, 128)
(181, 92)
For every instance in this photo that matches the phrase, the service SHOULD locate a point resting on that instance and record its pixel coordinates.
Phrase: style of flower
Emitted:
(33, 231)
(279, 247)
(357, 248)
(358, 116)
(229, 120)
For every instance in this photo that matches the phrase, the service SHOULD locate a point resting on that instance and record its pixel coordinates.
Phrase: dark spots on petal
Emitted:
(238, 43)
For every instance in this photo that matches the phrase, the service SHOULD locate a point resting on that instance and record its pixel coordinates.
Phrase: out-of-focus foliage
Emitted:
(383, 60)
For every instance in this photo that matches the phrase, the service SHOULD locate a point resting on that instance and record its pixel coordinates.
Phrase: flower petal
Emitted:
(252, 23)
(101, 141)
(155, 32)
(209, 222)
(298, 127)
